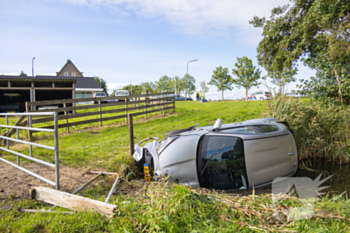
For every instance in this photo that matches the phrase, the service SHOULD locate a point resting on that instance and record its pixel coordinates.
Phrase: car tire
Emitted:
(261, 98)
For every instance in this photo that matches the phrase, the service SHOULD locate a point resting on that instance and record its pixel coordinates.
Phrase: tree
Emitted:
(189, 85)
(133, 89)
(204, 88)
(178, 84)
(247, 74)
(148, 86)
(164, 84)
(221, 79)
(22, 73)
(102, 83)
(282, 79)
(315, 31)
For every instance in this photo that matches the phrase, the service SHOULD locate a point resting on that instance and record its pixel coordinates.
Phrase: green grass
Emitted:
(108, 147)
(165, 207)
(162, 206)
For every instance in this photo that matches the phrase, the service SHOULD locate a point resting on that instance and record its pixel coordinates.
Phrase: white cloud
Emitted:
(194, 17)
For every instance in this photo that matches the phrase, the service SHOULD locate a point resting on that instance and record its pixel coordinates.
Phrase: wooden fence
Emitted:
(137, 105)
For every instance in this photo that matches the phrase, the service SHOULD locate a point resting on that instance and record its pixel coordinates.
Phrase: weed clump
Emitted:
(321, 131)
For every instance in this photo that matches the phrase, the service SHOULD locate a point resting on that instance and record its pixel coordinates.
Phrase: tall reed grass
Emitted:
(320, 131)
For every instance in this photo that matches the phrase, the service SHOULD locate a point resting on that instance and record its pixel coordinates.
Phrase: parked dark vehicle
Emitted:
(231, 156)
(182, 98)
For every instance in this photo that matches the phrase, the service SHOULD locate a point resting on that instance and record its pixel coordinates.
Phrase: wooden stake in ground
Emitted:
(131, 134)
(71, 201)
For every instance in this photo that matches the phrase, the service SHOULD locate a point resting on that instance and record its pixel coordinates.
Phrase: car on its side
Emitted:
(259, 95)
(231, 156)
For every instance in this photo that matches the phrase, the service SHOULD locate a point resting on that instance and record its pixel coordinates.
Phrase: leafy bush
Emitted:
(320, 131)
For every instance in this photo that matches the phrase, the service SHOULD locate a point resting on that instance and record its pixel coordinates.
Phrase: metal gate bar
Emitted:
(31, 144)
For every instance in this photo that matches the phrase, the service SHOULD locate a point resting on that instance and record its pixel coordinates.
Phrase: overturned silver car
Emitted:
(231, 156)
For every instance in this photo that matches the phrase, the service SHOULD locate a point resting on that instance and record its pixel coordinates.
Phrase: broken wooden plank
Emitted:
(71, 201)
(46, 211)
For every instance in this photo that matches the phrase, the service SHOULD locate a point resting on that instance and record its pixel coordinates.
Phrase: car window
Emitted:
(253, 129)
(267, 93)
(100, 94)
(122, 93)
(221, 163)
(259, 93)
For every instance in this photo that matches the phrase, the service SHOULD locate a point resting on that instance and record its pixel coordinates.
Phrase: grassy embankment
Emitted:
(108, 147)
(165, 207)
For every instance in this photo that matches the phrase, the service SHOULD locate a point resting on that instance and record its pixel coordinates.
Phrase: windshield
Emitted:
(221, 163)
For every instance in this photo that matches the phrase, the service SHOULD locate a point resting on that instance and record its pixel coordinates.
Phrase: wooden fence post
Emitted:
(126, 111)
(28, 123)
(173, 104)
(65, 113)
(146, 107)
(131, 134)
(163, 101)
(99, 103)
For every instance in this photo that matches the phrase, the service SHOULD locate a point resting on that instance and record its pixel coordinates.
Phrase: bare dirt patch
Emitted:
(15, 182)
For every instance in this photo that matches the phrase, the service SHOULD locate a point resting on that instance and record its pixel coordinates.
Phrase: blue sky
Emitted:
(132, 41)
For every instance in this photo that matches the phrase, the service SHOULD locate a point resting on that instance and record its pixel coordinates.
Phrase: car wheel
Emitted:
(247, 99)
(261, 98)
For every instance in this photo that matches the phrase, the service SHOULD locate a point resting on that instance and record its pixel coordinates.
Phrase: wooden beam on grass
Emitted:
(70, 201)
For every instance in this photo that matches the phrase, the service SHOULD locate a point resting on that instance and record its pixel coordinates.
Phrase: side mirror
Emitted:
(217, 124)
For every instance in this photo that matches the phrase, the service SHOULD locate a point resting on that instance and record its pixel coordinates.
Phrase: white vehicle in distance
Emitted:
(99, 95)
(259, 95)
(122, 93)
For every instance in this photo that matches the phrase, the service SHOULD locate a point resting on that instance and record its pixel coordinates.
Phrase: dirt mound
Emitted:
(16, 182)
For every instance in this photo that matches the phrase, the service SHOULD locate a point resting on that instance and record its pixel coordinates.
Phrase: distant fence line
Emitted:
(149, 103)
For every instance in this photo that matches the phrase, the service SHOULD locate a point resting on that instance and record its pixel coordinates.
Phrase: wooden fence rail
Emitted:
(158, 102)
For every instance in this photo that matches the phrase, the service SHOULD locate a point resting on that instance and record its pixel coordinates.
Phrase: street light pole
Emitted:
(33, 66)
(187, 78)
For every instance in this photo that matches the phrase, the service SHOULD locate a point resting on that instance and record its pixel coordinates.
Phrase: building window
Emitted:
(66, 74)
(73, 74)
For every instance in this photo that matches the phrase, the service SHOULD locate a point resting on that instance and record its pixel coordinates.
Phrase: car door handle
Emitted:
(291, 153)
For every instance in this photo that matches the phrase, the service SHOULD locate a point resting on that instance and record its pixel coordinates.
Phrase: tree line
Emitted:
(317, 33)
(245, 73)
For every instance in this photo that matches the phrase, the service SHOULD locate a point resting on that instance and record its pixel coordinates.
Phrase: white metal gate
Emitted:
(8, 138)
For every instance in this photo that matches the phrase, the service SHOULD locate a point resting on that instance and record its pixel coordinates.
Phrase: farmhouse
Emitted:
(68, 84)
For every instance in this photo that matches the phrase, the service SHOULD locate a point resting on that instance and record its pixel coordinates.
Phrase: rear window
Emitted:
(254, 129)
(122, 93)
